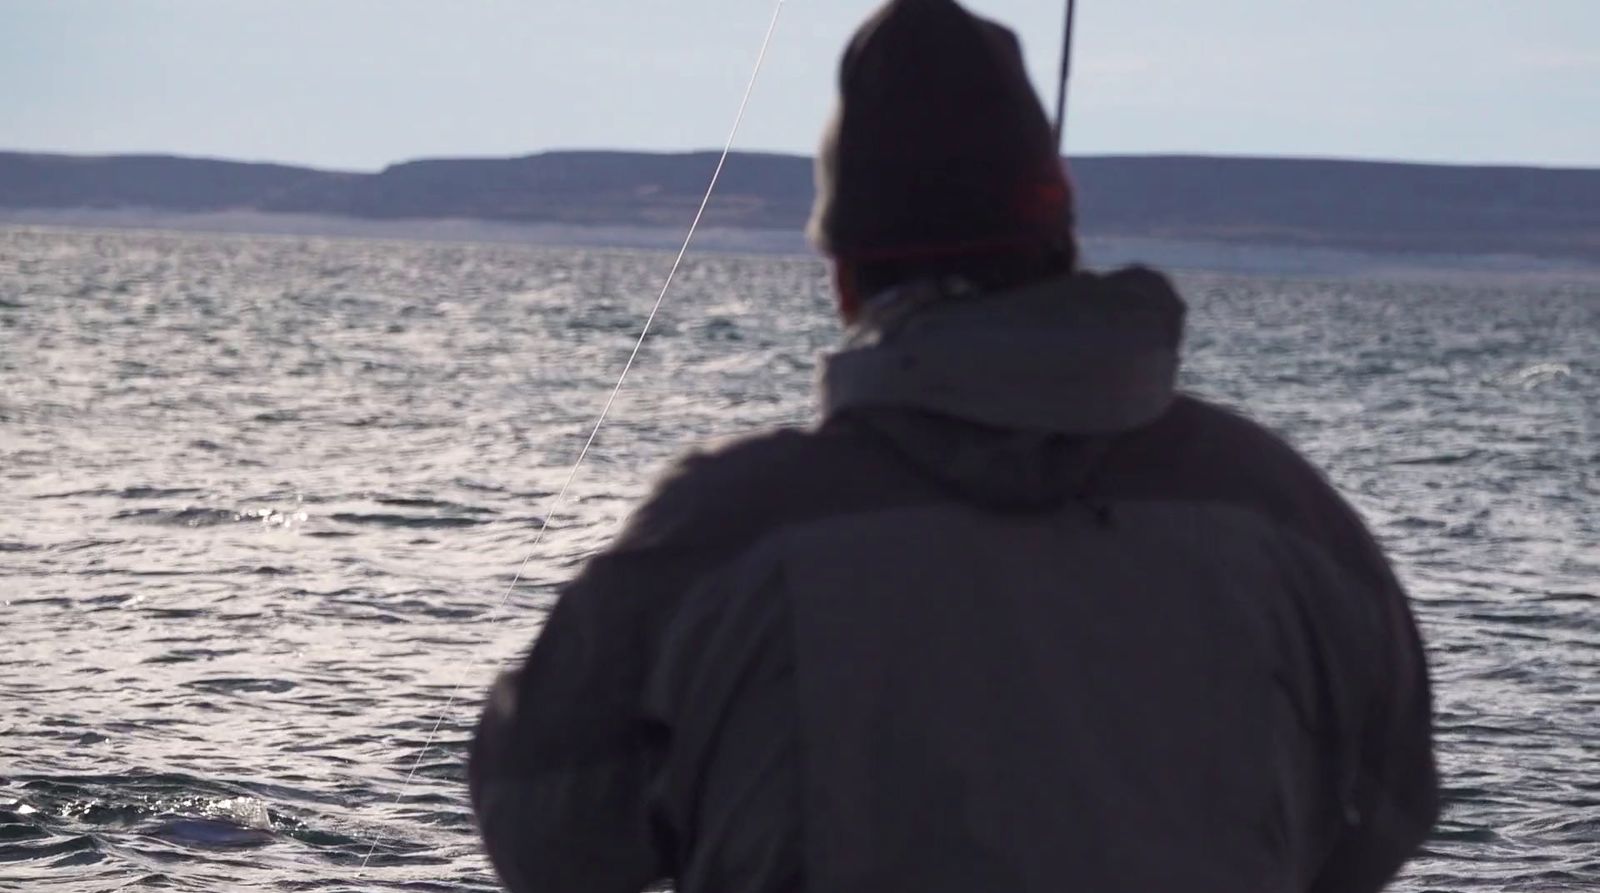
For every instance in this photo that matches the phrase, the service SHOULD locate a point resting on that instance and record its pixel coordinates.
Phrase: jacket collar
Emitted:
(1082, 354)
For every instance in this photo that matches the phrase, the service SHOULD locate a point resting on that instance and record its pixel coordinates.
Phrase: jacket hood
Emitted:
(1011, 397)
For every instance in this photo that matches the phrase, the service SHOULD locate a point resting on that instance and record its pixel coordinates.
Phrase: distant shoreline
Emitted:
(1188, 210)
(1100, 251)
(457, 230)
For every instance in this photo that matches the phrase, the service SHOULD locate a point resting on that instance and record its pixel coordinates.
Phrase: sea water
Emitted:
(262, 498)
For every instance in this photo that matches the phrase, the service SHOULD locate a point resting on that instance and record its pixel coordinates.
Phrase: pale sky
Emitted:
(358, 84)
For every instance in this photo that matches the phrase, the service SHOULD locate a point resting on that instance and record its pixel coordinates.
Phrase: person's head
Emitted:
(939, 161)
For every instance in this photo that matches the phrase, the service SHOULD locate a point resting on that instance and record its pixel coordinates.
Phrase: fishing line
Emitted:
(554, 505)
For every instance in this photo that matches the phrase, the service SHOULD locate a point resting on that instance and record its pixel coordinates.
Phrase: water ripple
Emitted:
(264, 497)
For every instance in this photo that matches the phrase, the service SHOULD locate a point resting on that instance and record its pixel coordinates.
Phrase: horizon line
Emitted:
(771, 153)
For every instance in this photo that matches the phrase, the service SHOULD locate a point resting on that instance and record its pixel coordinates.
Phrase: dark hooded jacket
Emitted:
(1015, 616)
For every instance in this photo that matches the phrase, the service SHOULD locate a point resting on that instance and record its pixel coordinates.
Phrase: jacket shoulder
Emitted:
(1202, 452)
(732, 493)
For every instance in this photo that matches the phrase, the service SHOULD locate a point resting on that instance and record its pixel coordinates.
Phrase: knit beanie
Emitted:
(939, 145)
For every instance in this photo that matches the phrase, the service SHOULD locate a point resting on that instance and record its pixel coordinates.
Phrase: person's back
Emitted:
(1015, 616)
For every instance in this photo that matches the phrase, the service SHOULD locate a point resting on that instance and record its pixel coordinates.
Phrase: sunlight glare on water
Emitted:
(262, 495)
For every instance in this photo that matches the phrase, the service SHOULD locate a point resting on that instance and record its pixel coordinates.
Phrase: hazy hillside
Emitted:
(149, 181)
(1366, 206)
(1345, 204)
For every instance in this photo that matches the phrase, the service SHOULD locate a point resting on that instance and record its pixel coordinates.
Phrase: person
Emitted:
(1015, 615)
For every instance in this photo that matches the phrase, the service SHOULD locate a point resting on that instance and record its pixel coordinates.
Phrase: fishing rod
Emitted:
(1066, 72)
(556, 502)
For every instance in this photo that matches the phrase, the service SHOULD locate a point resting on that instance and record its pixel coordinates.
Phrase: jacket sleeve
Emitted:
(1392, 800)
(564, 755)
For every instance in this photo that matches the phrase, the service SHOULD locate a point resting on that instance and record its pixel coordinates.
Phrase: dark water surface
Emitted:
(261, 498)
